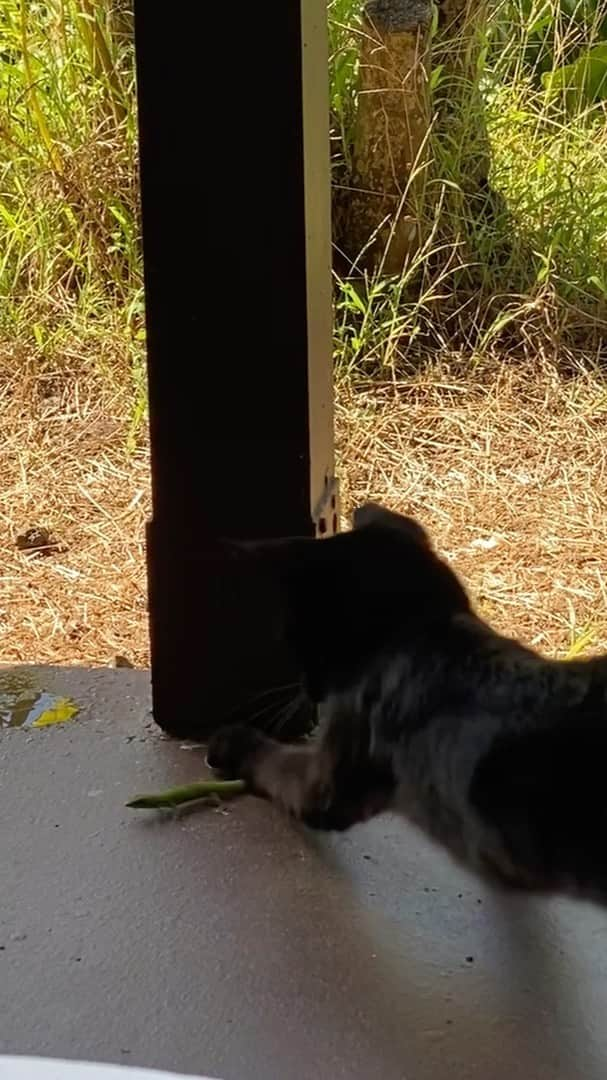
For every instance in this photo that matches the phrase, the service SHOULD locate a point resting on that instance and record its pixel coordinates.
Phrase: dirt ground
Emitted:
(506, 467)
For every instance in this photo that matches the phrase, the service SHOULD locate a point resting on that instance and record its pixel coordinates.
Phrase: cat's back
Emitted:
(487, 673)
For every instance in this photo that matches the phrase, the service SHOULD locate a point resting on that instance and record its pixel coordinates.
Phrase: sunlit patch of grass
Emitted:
(70, 261)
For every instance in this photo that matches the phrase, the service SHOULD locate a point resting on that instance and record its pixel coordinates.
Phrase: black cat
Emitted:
(497, 753)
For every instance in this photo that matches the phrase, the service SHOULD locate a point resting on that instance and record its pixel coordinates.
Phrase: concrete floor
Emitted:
(230, 943)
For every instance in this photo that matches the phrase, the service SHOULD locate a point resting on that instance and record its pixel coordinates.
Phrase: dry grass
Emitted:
(507, 467)
(65, 466)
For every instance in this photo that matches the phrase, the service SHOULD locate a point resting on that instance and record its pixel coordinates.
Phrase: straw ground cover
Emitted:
(508, 470)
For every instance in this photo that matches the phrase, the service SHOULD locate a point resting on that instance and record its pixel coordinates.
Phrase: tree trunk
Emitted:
(377, 223)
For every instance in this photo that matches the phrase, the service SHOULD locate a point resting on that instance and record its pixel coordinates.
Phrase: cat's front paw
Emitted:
(232, 751)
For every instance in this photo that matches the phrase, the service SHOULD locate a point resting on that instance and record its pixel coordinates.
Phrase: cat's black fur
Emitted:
(498, 754)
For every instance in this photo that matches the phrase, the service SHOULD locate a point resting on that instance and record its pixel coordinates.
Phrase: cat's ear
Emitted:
(372, 515)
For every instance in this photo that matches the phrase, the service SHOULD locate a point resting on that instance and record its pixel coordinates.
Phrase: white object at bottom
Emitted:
(31, 1068)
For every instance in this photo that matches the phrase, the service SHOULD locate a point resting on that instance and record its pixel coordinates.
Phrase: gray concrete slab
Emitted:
(231, 943)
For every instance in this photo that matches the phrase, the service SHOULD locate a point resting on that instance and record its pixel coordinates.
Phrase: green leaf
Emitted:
(585, 80)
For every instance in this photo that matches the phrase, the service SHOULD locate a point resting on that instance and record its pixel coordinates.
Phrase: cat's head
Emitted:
(349, 597)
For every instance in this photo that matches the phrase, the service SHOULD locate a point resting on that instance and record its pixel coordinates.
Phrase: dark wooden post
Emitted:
(235, 196)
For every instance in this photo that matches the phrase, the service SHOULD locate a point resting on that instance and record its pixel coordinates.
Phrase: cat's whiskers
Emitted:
(272, 692)
(276, 704)
(288, 712)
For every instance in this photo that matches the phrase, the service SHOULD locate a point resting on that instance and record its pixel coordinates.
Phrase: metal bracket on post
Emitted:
(326, 513)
